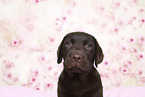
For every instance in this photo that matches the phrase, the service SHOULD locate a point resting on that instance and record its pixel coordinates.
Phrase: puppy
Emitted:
(79, 77)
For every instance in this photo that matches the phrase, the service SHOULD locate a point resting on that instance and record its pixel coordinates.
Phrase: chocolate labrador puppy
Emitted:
(79, 77)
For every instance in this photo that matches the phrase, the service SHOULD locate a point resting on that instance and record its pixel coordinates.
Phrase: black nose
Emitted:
(76, 58)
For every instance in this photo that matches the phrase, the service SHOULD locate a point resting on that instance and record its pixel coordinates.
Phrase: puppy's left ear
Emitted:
(98, 53)
(59, 53)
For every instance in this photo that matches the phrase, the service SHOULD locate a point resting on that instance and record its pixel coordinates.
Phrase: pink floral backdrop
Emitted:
(31, 30)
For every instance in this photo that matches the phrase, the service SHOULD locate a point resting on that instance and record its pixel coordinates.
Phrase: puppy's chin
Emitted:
(76, 70)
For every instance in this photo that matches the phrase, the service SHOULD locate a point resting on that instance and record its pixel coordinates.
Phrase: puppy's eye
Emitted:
(68, 44)
(88, 46)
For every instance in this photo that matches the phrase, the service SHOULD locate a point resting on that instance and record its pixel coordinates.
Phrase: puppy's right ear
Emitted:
(59, 53)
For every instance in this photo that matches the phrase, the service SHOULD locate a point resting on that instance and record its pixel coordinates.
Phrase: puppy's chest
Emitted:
(77, 86)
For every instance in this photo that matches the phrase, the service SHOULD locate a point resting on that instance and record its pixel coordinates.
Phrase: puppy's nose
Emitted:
(76, 58)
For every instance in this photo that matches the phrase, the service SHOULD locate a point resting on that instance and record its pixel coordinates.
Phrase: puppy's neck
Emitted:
(77, 76)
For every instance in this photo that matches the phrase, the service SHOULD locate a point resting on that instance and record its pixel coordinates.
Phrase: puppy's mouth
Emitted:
(76, 69)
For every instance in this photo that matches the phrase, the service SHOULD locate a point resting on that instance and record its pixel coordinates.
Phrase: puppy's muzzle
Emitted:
(76, 62)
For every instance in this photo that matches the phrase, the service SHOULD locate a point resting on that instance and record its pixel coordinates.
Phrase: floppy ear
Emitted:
(98, 54)
(59, 53)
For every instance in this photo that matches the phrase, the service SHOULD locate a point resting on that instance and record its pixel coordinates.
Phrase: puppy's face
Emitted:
(79, 50)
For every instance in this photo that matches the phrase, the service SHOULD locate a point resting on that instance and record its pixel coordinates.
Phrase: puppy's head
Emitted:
(79, 50)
